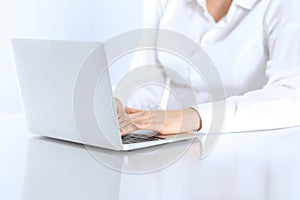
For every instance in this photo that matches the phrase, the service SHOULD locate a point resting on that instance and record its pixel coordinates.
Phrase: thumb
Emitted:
(131, 110)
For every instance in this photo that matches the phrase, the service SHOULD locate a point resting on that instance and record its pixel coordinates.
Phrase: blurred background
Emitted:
(91, 20)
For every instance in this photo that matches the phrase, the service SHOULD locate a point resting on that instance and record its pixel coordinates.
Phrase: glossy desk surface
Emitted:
(253, 165)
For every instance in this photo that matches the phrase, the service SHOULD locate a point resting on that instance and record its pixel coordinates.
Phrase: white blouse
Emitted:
(255, 48)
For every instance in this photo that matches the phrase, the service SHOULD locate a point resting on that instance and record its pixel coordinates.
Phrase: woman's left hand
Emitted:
(162, 121)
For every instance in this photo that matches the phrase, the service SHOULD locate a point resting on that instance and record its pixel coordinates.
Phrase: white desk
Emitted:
(254, 165)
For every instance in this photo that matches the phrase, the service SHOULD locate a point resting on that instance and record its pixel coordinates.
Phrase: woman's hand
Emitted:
(162, 121)
(120, 108)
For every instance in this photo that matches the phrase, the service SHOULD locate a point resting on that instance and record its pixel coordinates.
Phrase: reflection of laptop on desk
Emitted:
(67, 94)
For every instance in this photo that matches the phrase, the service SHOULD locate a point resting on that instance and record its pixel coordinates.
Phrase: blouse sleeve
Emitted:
(277, 104)
(145, 68)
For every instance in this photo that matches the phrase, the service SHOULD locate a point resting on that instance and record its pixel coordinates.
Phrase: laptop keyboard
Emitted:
(135, 138)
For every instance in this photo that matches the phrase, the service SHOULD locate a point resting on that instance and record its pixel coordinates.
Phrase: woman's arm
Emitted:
(139, 88)
(163, 121)
(277, 104)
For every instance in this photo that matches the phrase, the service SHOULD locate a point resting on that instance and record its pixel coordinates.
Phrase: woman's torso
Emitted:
(237, 44)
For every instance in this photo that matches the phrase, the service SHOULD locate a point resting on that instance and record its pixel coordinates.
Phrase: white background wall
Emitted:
(59, 19)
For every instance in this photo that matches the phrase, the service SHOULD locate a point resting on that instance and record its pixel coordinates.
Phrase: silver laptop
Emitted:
(67, 94)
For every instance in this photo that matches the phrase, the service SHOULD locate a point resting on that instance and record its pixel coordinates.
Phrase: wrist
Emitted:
(195, 119)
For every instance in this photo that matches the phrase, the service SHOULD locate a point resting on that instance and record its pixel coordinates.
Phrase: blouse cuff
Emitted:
(216, 117)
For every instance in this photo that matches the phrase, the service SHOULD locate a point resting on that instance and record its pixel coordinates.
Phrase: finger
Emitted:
(123, 118)
(126, 123)
(135, 116)
(120, 111)
(122, 133)
(119, 107)
(132, 110)
(141, 122)
(128, 129)
(121, 115)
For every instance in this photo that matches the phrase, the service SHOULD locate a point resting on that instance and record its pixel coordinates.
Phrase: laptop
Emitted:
(67, 94)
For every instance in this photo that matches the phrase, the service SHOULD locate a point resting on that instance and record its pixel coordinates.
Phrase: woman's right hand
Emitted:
(122, 115)
(120, 108)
